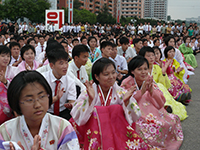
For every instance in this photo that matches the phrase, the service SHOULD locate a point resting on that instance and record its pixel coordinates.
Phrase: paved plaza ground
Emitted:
(191, 126)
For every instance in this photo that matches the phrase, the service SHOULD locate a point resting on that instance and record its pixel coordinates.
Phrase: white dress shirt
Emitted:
(38, 50)
(82, 71)
(129, 53)
(67, 83)
(13, 60)
(121, 63)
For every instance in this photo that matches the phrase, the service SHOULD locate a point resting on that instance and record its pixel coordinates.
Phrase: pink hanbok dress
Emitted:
(5, 111)
(156, 127)
(22, 65)
(178, 86)
(105, 124)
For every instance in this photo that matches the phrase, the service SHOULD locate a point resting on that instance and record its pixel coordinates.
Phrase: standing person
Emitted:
(100, 105)
(11, 28)
(149, 28)
(190, 31)
(140, 29)
(25, 27)
(41, 47)
(155, 126)
(163, 29)
(7, 73)
(30, 96)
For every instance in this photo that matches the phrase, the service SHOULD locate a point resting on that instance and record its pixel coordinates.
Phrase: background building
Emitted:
(131, 8)
(155, 9)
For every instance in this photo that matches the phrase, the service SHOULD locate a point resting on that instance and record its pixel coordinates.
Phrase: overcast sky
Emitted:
(181, 9)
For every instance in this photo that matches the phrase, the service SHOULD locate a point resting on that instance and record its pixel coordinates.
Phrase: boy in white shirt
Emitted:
(80, 54)
(120, 63)
(63, 86)
(124, 50)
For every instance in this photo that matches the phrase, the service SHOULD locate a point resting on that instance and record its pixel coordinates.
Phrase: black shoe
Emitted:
(182, 97)
(188, 96)
(168, 109)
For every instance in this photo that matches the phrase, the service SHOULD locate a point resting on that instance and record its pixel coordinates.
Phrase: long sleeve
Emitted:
(81, 111)
(157, 99)
(132, 111)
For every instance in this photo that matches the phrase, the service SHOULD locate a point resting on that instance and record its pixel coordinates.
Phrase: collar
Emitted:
(53, 78)
(75, 68)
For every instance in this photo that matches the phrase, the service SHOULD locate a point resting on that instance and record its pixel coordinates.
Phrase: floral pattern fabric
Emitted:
(156, 127)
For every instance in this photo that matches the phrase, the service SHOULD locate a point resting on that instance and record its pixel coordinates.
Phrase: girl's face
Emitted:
(93, 43)
(29, 55)
(150, 57)
(157, 55)
(157, 43)
(141, 73)
(4, 59)
(108, 77)
(171, 42)
(32, 43)
(187, 40)
(171, 54)
(33, 102)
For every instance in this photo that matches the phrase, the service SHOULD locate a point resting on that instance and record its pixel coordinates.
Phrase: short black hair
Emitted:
(29, 40)
(136, 62)
(136, 40)
(57, 54)
(90, 38)
(20, 38)
(105, 44)
(78, 49)
(155, 41)
(5, 50)
(82, 38)
(168, 48)
(75, 40)
(26, 48)
(167, 39)
(19, 82)
(103, 38)
(12, 44)
(124, 40)
(40, 36)
(156, 47)
(145, 49)
(99, 66)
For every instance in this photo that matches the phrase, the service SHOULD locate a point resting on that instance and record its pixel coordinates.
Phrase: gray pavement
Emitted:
(191, 126)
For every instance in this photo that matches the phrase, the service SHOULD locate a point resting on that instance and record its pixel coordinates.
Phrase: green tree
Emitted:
(105, 17)
(77, 4)
(34, 10)
(81, 16)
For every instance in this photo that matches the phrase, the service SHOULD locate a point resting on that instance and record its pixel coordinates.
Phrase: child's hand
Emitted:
(37, 143)
(90, 91)
(129, 94)
(68, 105)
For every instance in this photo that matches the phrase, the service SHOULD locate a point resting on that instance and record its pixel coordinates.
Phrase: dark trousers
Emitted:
(65, 114)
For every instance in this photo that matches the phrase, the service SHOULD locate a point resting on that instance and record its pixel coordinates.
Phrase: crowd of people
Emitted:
(95, 87)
